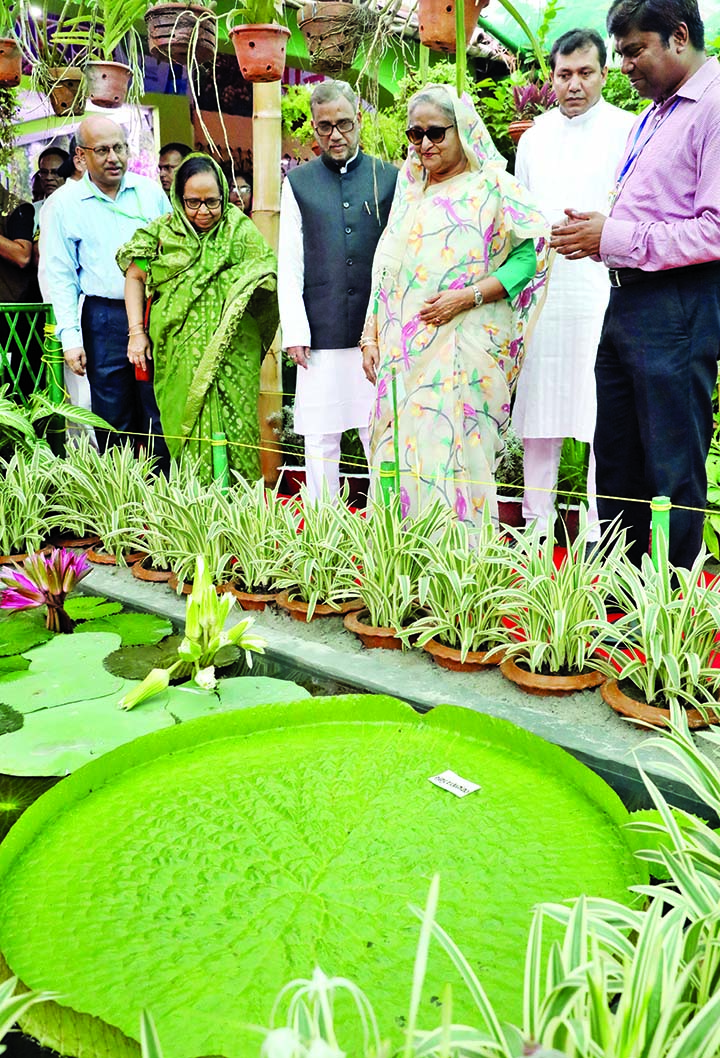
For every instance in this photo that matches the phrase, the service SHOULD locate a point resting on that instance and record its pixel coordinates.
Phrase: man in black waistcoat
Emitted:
(332, 213)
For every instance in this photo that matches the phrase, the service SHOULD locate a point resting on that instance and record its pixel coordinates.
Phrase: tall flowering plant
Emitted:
(45, 580)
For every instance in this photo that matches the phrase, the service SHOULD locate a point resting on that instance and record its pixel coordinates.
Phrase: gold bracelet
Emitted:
(365, 339)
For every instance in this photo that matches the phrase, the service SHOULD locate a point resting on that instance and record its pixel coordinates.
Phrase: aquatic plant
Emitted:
(45, 580)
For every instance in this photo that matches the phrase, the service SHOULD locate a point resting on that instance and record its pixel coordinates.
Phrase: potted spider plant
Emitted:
(469, 577)
(554, 606)
(663, 649)
(26, 487)
(154, 537)
(393, 583)
(185, 524)
(314, 565)
(259, 40)
(250, 527)
(182, 32)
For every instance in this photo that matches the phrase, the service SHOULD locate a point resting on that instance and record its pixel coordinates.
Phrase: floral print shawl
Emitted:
(453, 382)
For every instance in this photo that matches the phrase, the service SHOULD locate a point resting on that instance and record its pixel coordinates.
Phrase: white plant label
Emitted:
(454, 783)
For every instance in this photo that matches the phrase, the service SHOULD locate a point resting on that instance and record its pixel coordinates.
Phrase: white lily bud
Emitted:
(156, 680)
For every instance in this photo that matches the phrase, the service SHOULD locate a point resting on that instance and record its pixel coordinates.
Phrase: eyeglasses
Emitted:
(194, 204)
(435, 133)
(48, 172)
(325, 128)
(104, 152)
(243, 189)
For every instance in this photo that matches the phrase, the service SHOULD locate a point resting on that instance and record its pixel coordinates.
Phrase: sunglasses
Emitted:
(435, 133)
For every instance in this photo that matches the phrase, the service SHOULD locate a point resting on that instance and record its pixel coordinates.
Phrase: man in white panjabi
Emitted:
(332, 213)
(567, 159)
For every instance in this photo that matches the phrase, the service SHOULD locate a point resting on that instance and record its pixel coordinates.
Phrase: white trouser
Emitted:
(540, 468)
(322, 461)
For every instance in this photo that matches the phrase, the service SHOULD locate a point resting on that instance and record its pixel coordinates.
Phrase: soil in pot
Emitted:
(260, 51)
(107, 83)
(298, 609)
(450, 657)
(171, 28)
(543, 686)
(621, 698)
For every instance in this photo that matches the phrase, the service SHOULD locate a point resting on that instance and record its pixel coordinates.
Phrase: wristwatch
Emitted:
(478, 295)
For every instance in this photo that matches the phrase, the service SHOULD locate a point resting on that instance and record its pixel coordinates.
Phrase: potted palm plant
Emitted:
(259, 40)
(555, 608)
(664, 647)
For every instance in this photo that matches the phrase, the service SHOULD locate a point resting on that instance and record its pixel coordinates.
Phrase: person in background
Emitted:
(82, 227)
(332, 213)
(457, 276)
(169, 160)
(569, 155)
(241, 193)
(73, 168)
(213, 278)
(657, 361)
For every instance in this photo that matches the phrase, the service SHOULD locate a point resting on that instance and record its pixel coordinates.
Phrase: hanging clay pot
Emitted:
(172, 33)
(451, 657)
(517, 128)
(323, 24)
(251, 600)
(298, 609)
(260, 51)
(143, 570)
(543, 686)
(371, 635)
(64, 92)
(10, 63)
(107, 83)
(436, 23)
(650, 714)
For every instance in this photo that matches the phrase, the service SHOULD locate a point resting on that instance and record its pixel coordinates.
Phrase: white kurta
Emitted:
(568, 163)
(332, 394)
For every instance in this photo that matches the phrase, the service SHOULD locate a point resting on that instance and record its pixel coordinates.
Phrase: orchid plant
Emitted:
(205, 636)
(45, 580)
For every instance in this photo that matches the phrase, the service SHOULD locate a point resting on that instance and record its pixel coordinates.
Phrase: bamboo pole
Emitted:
(266, 214)
(460, 46)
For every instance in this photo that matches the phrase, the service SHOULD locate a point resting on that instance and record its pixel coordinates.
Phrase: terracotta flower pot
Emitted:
(260, 51)
(78, 541)
(142, 570)
(650, 714)
(107, 83)
(536, 683)
(10, 63)
(323, 25)
(9, 560)
(517, 128)
(171, 30)
(250, 600)
(64, 94)
(103, 558)
(450, 657)
(436, 22)
(370, 635)
(298, 609)
(172, 582)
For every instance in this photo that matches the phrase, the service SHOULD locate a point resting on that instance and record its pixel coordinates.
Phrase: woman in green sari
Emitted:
(209, 280)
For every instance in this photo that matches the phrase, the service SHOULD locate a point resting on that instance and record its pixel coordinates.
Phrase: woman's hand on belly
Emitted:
(444, 306)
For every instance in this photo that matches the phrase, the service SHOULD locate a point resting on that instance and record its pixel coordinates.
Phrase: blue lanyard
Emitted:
(634, 153)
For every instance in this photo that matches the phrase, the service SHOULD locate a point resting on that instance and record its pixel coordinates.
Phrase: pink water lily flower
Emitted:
(45, 580)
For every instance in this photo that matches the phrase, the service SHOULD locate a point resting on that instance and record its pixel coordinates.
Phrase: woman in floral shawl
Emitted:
(211, 278)
(458, 273)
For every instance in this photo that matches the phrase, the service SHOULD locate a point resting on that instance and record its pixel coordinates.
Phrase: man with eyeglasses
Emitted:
(170, 159)
(332, 213)
(80, 233)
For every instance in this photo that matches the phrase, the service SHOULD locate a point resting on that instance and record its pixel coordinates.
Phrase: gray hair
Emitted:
(329, 91)
(436, 96)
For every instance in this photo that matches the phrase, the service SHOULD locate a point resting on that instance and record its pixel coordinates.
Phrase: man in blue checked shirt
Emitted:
(81, 228)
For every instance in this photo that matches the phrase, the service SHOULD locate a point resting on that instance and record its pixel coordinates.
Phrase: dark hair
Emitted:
(67, 169)
(192, 167)
(182, 149)
(657, 16)
(578, 40)
(61, 153)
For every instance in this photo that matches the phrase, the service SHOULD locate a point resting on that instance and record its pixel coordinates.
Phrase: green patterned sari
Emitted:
(214, 314)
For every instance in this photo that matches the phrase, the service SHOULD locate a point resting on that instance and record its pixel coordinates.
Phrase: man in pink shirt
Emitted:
(657, 358)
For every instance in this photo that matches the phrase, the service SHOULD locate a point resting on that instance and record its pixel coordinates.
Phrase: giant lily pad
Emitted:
(195, 871)
(21, 631)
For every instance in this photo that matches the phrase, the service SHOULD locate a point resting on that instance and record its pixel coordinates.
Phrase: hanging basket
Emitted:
(260, 51)
(179, 31)
(436, 23)
(107, 83)
(10, 63)
(64, 93)
(331, 34)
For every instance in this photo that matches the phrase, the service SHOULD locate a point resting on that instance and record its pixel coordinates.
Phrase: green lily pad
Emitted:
(134, 662)
(17, 794)
(13, 663)
(133, 628)
(189, 702)
(225, 856)
(22, 630)
(90, 607)
(10, 719)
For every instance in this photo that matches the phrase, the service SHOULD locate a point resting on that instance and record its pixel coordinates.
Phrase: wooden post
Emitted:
(266, 214)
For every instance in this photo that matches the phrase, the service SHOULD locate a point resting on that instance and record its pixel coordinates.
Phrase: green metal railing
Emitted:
(31, 358)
